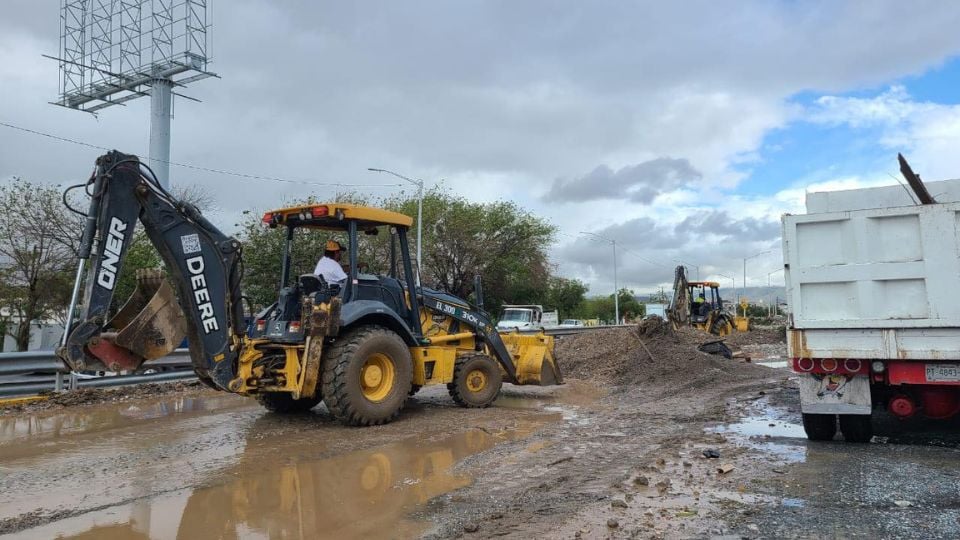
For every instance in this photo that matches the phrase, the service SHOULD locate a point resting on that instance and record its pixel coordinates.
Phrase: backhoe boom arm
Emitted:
(204, 264)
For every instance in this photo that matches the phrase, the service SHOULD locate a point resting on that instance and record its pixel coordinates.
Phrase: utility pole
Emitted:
(616, 289)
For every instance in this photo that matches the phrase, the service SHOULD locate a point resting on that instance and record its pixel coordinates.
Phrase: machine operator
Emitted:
(329, 265)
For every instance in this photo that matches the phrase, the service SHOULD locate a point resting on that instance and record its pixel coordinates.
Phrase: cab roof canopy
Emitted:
(335, 216)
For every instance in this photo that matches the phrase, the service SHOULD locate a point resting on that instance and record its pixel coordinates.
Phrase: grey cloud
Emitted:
(639, 183)
(719, 223)
(649, 251)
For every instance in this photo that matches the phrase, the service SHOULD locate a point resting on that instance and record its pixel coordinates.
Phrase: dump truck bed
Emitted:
(880, 283)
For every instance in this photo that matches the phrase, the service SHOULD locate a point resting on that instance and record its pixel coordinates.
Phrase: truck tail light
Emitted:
(320, 211)
(261, 325)
(294, 327)
(828, 366)
(877, 366)
(852, 365)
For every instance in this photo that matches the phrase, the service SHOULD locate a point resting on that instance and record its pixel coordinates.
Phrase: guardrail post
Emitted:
(73, 381)
(58, 382)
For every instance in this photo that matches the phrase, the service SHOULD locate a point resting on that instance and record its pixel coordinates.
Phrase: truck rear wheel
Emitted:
(820, 427)
(476, 381)
(367, 375)
(283, 402)
(856, 428)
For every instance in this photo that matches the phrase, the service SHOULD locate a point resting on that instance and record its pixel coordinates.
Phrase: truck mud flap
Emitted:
(835, 394)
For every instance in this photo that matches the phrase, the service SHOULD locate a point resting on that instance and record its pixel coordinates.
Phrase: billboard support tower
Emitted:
(112, 52)
(161, 92)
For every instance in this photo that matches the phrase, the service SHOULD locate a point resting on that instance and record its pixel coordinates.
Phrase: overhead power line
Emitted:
(247, 176)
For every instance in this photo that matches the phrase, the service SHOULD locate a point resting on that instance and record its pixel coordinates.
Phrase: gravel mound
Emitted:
(652, 352)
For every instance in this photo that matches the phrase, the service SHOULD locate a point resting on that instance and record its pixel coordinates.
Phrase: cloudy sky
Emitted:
(680, 130)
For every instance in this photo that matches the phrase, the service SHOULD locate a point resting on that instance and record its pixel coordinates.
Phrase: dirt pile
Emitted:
(652, 352)
(93, 396)
(756, 336)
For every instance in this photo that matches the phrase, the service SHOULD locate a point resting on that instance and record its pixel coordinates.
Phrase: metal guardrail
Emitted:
(568, 330)
(53, 374)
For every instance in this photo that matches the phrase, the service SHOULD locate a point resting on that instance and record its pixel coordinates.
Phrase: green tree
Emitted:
(38, 241)
(630, 308)
(603, 308)
(501, 242)
(566, 296)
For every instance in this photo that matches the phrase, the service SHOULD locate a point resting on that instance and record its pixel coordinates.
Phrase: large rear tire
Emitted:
(367, 375)
(820, 427)
(856, 428)
(476, 381)
(722, 326)
(283, 402)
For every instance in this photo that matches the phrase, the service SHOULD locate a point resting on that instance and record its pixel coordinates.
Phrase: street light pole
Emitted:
(616, 289)
(419, 184)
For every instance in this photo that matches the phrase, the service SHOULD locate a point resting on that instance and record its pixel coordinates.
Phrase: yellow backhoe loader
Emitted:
(698, 304)
(360, 346)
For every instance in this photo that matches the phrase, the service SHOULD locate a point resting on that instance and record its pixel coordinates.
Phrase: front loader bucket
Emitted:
(534, 359)
(149, 325)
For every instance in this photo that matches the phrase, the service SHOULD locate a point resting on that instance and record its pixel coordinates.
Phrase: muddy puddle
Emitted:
(52, 425)
(769, 429)
(274, 477)
(370, 494)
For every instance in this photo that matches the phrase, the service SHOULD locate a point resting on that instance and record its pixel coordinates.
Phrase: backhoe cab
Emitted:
(361, 346)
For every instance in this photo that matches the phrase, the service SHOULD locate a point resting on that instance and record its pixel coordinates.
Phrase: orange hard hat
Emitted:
(333, 245)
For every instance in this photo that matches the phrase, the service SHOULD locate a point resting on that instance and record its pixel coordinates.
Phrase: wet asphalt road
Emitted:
(904, 484)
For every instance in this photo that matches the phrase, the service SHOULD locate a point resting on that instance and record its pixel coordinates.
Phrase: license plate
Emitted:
(943, 372)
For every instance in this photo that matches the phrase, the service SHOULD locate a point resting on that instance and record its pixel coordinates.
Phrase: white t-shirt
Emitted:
(330, 270)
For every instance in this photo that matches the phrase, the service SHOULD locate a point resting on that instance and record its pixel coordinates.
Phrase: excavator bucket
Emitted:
(149, 325)
(534, 359)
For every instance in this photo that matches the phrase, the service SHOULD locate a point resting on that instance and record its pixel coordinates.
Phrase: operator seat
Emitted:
(312, 284)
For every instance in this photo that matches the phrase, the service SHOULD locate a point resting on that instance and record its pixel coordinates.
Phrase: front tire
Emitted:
(367, 375)
(820, 427)
(476, 381)
(283, 402)
(856, 428)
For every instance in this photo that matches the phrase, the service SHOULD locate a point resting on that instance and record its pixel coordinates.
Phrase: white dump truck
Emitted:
(873, 285)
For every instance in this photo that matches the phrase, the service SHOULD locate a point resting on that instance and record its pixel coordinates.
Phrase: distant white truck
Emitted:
(660, 310)
(527, 317)
(874, 297)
